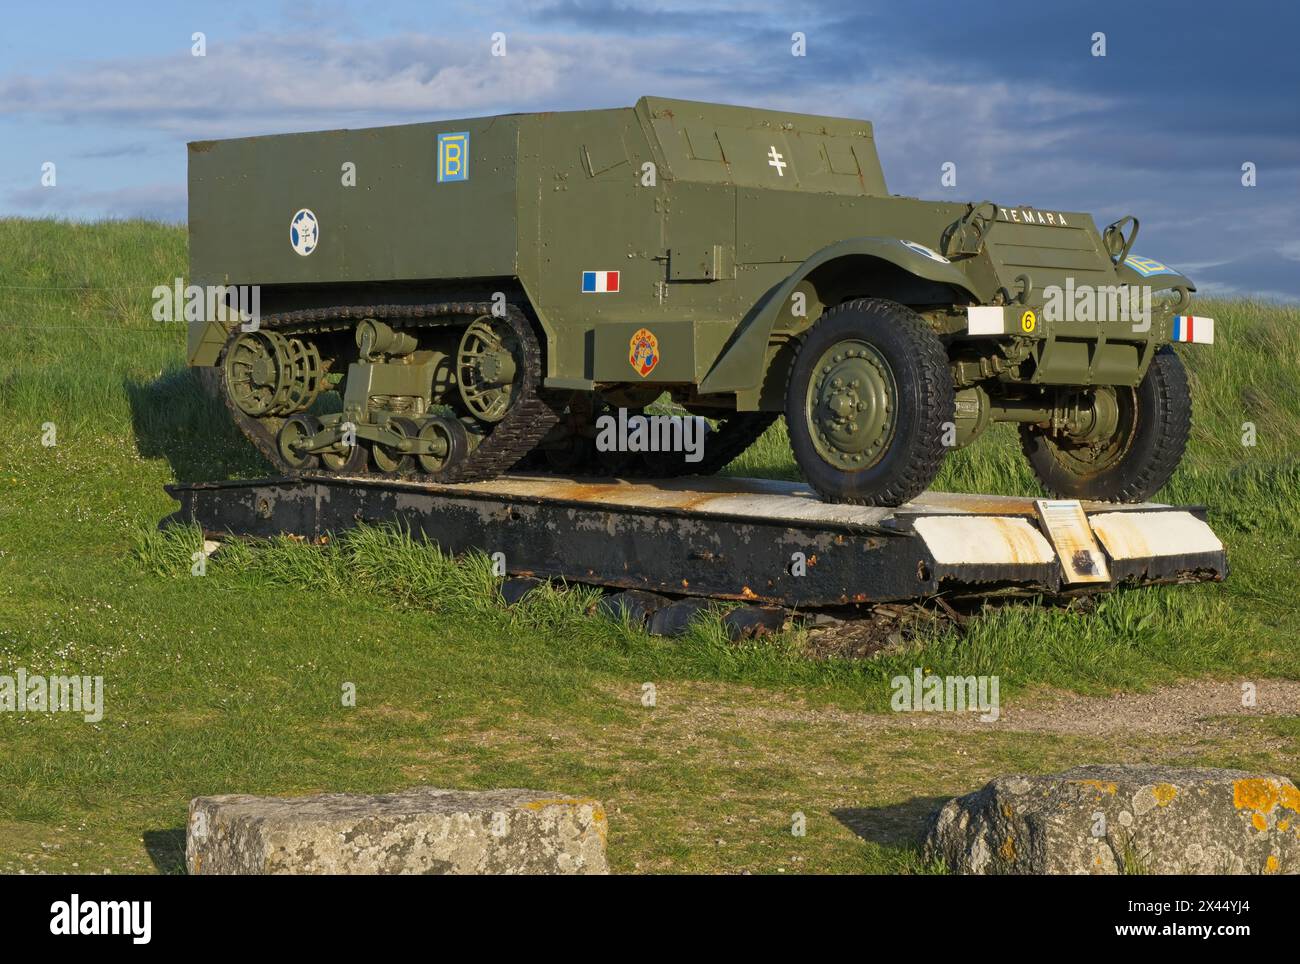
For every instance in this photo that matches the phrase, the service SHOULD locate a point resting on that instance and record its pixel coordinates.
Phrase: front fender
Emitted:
(741, 363)
(1147, 271)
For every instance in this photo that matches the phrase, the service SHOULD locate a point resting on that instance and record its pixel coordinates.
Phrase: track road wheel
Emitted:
(1134, 460)
(288, 441)
(350, 462)
(389, 459)
(449, 441)
(866, 400)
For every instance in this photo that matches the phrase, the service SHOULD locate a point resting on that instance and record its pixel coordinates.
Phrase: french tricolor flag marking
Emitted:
(1191, 328)
(599, 282)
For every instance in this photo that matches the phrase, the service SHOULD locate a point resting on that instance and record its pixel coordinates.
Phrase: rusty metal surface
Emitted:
(730, 497)
(600, 542)
(719, 538)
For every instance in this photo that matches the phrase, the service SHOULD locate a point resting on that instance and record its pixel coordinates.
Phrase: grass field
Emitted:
(231, 682)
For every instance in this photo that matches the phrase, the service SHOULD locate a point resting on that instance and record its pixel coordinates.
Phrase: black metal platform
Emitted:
(722, 538)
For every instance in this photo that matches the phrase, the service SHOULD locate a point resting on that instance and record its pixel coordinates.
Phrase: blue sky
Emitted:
(1008, 91)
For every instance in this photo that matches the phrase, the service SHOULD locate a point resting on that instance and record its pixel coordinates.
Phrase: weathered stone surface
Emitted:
(1123, 819)
(421, 831)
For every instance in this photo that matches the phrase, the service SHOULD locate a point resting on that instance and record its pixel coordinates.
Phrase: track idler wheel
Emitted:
(268, 374)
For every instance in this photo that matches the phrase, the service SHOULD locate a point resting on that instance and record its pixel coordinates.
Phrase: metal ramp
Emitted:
(744, 539)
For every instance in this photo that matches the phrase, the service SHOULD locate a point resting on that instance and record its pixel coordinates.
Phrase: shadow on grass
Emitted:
(166, 848)
(176, 417)
(897, 825)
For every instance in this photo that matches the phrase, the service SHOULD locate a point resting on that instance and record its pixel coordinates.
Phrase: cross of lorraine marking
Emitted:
(775, 161)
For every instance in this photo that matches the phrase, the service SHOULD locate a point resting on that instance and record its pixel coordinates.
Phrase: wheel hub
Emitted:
(263, 370)
(851, 405)
(1097, 433)
(496, 368)
(1095, 417)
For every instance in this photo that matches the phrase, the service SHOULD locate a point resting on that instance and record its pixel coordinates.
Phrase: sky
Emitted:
(1010, 92)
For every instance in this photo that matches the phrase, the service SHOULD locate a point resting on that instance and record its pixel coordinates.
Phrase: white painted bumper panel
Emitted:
(1142, 535)
(986, 320)
(984, 540)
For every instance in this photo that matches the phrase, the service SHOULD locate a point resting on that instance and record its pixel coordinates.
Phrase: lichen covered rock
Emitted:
(421, 831)
(1113, 819)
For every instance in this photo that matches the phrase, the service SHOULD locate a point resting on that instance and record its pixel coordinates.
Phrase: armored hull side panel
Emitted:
(397, 223)
(581, 210)
(654, 193)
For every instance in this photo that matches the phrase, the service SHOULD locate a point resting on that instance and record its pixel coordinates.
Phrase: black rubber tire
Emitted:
(458, 439)
(1163, 410)
(354, 462)
(918, 363)
(392, 461)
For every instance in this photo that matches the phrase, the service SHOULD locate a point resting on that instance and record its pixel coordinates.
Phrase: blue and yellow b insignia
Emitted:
(453, 157)
(1146, 267)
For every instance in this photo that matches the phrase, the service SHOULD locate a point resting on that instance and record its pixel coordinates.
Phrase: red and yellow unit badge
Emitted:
(644, 355)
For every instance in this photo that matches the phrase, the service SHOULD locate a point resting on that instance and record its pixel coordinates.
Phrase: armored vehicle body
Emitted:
(479, 293)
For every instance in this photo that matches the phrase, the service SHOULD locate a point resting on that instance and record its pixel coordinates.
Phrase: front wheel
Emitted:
(1136, 457)
(868, 394)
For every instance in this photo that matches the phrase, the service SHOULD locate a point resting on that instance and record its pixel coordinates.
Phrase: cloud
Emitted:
(740, 21)
(267, 83)
(268, 79)
(161, 202)
(135, 149)
(1022, 110)
(1266, 274)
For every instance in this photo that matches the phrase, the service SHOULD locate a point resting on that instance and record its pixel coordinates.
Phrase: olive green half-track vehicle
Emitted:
(453, 300)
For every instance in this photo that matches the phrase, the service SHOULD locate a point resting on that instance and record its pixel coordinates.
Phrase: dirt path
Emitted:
(1192, 708)
(1187, 708)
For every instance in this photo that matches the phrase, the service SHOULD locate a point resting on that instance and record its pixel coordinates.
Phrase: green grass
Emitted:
(232, 682)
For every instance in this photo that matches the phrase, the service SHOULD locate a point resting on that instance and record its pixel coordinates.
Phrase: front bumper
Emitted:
(1031, 321)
